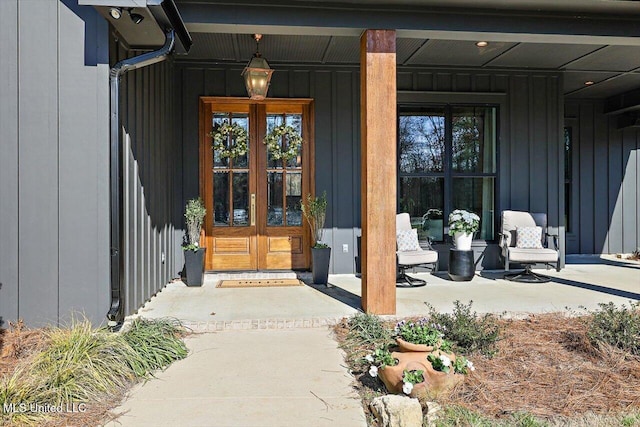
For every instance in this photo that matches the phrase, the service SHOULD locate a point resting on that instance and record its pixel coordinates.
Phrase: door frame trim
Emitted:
(204, 142)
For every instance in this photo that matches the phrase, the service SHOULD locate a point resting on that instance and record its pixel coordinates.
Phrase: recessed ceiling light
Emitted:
(588, 83)
(115, 12)
(482, 44)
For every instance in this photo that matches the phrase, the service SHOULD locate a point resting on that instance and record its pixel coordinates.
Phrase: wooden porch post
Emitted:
(378, 180)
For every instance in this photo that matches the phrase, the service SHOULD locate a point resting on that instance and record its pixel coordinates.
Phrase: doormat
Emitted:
(258, 283)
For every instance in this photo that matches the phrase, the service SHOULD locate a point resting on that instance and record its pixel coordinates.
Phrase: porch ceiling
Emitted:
(614, 69)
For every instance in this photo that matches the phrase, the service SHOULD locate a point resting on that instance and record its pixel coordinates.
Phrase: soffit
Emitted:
(613, 69)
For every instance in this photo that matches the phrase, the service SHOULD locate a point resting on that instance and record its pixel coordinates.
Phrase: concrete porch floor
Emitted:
(584, 282)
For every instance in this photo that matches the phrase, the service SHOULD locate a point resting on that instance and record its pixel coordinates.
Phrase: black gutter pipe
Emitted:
(115, 316)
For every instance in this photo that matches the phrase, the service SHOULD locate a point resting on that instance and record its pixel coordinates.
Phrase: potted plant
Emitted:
(194, 254)
(462, 225)
(315, 210)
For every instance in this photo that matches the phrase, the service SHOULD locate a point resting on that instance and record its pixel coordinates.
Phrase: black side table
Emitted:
(461, 265)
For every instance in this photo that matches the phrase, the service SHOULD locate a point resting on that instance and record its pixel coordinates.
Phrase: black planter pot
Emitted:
(194, 266)
(461, 265)
(320, 265)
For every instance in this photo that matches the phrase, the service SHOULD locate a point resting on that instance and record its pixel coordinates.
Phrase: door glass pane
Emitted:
(240, 198)
(274, 199)
(294, 197)
(283, 151)
(274, 120)
(295, 121)
(421, 141)
(242, 161)
(474, 139)
(476, 195)
(233, 148)
(221, 198)
(423, 199)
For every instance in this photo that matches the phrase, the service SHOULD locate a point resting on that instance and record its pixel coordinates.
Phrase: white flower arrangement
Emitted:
(446, 361)
(273, 139)
(461, 221)
(373, 371)
(410, 379)
(238, 145)
(470, 366)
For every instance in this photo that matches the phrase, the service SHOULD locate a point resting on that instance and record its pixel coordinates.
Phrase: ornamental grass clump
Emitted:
(157, 344)
(369, 329)
(362, 334)
(81, 365)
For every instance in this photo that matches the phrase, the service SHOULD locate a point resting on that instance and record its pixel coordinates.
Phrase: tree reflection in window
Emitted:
(447, 161)
(422, 142)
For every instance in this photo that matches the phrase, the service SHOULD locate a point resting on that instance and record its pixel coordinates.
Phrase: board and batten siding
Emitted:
(530, 146)
(54, 147)
(151, 244)
(605, 183)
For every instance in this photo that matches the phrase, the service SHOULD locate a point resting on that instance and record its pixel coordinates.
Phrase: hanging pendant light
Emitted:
(257, 74)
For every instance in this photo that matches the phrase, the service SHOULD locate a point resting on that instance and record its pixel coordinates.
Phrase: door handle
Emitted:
(253, 209)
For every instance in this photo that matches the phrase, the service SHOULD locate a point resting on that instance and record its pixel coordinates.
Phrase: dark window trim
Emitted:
(415, 100)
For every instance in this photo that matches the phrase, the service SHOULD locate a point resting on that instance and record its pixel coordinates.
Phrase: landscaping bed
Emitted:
(75, 375)
(549, 369)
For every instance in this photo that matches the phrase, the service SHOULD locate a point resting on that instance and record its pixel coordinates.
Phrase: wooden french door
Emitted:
(254, 220)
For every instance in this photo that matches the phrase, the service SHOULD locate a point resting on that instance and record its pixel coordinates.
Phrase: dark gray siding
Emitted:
(531, 154)
(9, 162)
(150, 244)
(606, 178)
(53, 162)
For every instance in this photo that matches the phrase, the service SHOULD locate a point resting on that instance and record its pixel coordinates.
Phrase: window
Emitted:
(447, 161)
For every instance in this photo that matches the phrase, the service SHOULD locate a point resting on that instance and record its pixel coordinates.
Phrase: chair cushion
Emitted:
(407, 240)
(532, 255)
(417, 257)
(529, 237)
(513, 219)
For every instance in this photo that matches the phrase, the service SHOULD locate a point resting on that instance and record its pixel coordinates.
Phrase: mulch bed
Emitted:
(545, 366)
(17, 343)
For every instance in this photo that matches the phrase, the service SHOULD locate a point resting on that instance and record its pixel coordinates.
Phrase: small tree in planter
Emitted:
(194, 254)
(315, 211)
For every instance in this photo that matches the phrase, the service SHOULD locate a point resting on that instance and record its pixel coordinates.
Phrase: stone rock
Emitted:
(397, 411)
(433, 410)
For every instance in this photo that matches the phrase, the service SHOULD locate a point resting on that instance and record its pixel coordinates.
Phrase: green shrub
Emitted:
(469, 331)
(616, 326)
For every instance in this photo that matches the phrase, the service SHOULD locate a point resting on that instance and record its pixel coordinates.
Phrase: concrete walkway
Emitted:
(266, 357)
(250, 378)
